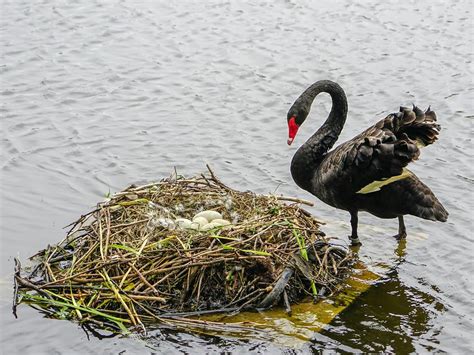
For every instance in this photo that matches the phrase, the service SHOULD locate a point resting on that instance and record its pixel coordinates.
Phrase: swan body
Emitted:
(367, 173)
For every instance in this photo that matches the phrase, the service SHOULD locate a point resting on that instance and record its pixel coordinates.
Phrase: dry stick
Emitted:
(242, 288)
(107, 279)
(144, 280)
(325, 258)
(252, 299)
(216, 180)
(163, 261)
(207, 181)
(294, 199)
(126, 225)
(319, 261)
(29, 285)
(164, 278)
(199, 285)
(15, 285)
(209, 262)
(82, 288)
(137, 317)
(82, 273)
(106, 295)
(99, 219)
(60, 257)
(107, 235)
(50, 272)
(246, 296)
(344, 260)
(150, 313)
(133, 262)
(81, 219)
(333, 264)
(178, 315)
(87, 253)
(235, 243)
(188, 281)
(159, 183)
(147, 298)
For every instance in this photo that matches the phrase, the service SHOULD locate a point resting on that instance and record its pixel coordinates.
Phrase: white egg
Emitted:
(183, 223)
(215, 223)
(209, 215)
(194, 225)
(200, 220)
(221, 222)
(210, 226)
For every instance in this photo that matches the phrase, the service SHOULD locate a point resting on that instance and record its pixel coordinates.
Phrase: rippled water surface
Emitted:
(99, 94)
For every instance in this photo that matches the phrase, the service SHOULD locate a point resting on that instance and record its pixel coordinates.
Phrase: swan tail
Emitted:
(423, 201)
(419, 126)
(400, 195)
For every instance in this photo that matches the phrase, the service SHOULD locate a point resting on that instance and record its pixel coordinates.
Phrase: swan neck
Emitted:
(337, 115)
(309, 156)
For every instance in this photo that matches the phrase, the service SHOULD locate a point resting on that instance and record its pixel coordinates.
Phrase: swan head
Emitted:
(295, 118)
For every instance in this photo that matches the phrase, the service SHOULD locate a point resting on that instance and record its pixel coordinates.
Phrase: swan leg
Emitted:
(402, 231)
(354, 238)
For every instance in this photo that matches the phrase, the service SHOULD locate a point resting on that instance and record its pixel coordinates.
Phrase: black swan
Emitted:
(366, 173)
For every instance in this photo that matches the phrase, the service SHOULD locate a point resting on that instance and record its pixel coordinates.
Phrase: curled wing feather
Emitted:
(380, 153)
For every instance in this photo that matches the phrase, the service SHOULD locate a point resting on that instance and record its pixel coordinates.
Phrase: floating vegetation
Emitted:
(144, 255)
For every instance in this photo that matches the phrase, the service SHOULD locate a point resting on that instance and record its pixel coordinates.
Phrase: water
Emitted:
(97, 95)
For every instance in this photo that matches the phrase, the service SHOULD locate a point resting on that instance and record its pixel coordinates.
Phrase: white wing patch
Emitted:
(377, 184)
(420, 143)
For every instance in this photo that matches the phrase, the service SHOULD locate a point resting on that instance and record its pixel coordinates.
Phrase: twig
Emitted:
(144, 280)
(15, 286)
(294, 199)
(216, 180)
(199, 313)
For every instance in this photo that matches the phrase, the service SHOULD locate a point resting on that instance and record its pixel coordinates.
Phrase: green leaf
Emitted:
(227, 247)
(138, 201)
(52, 302)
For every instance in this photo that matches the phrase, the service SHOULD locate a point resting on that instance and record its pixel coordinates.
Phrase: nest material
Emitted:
(124, 264)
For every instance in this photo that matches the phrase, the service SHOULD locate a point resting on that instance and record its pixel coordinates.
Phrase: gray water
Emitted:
(100, 94)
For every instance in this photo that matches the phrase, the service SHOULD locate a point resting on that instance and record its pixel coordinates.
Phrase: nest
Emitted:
(123, 264)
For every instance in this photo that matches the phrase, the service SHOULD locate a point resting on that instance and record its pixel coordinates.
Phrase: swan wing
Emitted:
(379, 155)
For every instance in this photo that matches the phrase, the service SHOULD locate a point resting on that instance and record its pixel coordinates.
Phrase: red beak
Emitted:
(292, 129)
